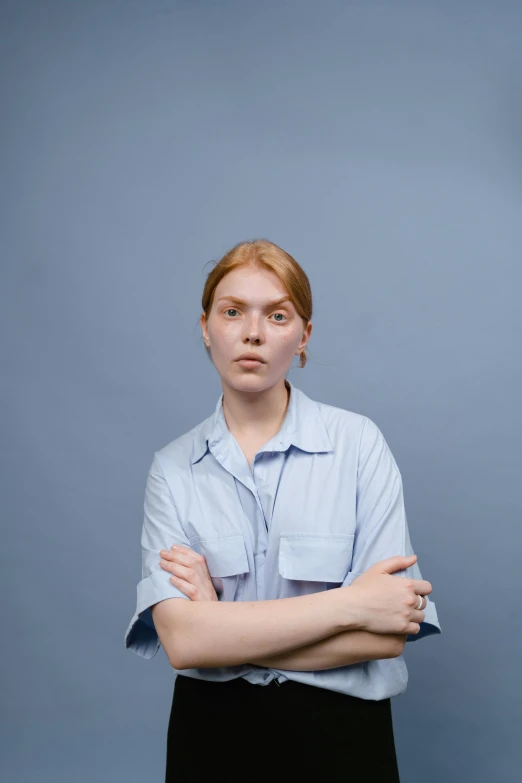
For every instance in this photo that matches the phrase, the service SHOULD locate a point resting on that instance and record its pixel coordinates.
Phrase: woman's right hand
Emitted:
(382, 603)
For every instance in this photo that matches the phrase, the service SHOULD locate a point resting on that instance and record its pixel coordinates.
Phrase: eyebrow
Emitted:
(235, 299)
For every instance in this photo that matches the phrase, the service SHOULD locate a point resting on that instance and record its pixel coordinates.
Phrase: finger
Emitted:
(176, 549)
(422, 586)
(395, 563)
(185, 572)
(185, 587)
(189, 557)
(178, 557)
(166, 565)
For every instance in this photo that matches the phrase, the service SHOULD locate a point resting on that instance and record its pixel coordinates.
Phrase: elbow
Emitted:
(173, 654)
(177, 657)
(168, 617)
(179, 661)
(176, 663)
(178, 653)
(397, 645)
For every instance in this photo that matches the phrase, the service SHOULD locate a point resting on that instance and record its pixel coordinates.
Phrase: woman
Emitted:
(275, 504)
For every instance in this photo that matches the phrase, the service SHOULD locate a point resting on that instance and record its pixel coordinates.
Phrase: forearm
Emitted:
(341, 649)
(214, 634)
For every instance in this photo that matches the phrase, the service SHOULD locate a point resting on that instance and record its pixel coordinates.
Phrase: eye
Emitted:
(233, 309)
(284, 316)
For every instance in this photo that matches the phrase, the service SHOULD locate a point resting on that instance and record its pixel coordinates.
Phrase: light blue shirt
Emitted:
(321, 503)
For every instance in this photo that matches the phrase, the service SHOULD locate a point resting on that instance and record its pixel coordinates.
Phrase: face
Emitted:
(247, 316)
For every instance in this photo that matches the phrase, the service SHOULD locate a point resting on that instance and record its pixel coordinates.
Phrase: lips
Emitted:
(250, 364)
(251, 357)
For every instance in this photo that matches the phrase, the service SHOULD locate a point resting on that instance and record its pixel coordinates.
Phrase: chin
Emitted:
(247, 381)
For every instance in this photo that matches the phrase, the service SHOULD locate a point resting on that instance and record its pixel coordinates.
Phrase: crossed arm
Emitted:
(189, 573)
(341, 649)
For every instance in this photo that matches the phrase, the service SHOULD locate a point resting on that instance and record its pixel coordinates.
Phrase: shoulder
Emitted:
(352, 429)
(344, 424)
(179, 451)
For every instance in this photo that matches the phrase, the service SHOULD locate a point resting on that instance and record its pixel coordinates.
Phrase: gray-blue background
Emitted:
(380, 144)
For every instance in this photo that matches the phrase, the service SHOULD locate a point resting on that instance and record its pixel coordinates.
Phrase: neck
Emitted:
(256, 414)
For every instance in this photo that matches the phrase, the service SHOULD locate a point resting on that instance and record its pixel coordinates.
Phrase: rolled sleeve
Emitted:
(161, 529)
(381, 522)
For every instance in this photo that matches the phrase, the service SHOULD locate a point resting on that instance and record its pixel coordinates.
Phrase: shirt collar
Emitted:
(303, 427)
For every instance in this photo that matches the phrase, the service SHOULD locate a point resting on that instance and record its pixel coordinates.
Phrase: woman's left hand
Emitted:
(189, 573)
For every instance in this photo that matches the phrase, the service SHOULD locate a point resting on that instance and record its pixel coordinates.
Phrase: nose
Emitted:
(253, 331)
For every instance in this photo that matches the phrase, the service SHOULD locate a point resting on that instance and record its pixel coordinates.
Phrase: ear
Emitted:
(204, 329)
(306, 336)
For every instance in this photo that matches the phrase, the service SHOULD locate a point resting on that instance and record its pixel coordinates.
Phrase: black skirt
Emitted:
(236, 731)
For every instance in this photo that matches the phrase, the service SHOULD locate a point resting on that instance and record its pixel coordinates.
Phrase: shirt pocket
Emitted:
(314, 562)
(227, 563)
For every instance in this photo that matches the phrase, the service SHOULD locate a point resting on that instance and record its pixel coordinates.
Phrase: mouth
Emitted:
(249, 363)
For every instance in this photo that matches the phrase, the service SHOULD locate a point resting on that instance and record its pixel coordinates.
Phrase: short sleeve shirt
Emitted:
(321, 503)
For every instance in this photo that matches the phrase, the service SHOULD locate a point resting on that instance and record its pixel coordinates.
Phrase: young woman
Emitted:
(280, 521)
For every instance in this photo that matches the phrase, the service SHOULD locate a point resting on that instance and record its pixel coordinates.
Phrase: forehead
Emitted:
(251, 284)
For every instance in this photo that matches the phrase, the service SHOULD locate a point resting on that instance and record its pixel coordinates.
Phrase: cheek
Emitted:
(286, 341)
(223, 333)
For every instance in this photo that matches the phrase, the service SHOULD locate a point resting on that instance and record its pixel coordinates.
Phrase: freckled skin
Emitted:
(277, 333)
